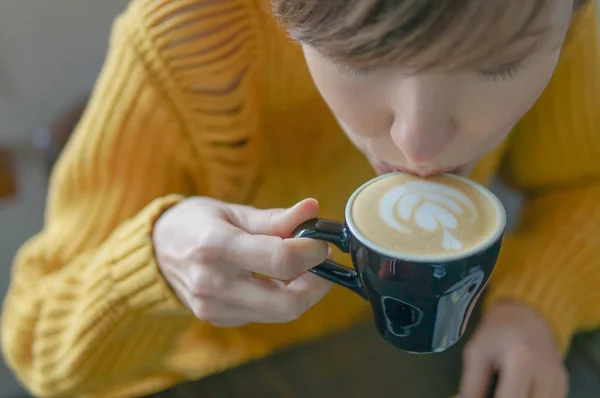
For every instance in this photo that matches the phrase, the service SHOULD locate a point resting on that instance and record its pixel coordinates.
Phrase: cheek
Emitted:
(358, 105)
(492, 107)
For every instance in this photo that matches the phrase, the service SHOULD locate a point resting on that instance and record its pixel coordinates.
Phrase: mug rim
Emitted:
(490, 241)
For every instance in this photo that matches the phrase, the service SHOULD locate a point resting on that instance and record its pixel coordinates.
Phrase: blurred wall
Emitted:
(50, 54)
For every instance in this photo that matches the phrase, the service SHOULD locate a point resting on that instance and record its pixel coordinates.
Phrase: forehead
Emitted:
(470, 34)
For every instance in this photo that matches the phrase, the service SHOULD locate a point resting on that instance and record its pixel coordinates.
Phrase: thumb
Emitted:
(273, 222)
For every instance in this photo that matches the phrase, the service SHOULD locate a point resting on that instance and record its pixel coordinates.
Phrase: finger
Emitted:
(273, 222)
(551, 383)
(477, 372)
(562, 386)
(282, 259)
(218, 313)
(269, 301)
(544, 387)
(516, 379)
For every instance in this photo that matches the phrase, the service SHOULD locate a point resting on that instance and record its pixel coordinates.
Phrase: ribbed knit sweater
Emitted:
(212, 98)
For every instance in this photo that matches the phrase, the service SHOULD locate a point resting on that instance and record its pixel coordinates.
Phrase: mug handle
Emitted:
(333, 232)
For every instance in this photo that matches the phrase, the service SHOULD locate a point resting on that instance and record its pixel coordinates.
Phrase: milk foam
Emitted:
(427, 205)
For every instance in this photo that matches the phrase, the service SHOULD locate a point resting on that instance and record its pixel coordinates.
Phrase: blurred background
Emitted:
(50, 55)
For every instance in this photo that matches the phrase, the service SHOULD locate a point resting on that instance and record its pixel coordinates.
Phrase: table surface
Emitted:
(356, 363)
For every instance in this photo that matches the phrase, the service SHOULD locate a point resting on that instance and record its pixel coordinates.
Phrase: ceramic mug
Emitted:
(419, 306)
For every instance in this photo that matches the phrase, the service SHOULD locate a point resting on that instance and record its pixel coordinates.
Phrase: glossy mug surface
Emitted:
(423, 250)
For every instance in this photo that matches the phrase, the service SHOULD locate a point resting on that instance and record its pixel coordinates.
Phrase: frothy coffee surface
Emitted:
(436, 216)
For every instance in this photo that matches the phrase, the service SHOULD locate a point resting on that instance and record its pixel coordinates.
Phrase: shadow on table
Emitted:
(358, 364)
(352, 364)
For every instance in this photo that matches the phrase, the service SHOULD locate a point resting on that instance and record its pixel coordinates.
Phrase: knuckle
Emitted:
(292, 309)
(315, 289)
(207, 250)
(270, 216)
(204, 310)
(194, 205)
(521, 355)
(286, 263)
(205, 283)
(196, 201)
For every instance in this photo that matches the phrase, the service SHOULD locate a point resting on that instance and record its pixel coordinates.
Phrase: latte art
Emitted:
(437, 216)
(428, 206)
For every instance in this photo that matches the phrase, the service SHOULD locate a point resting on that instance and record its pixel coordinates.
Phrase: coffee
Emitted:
(440, 216)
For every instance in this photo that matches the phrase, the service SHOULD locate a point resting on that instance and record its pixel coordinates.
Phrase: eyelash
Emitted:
(506, 73)
(352, 72)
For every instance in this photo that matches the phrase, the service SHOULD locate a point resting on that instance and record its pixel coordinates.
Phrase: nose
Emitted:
(424, 123)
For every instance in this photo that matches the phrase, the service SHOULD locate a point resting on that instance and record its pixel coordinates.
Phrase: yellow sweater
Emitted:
(211, 98)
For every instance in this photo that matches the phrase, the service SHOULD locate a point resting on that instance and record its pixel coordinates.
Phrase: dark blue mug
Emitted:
(419, 306)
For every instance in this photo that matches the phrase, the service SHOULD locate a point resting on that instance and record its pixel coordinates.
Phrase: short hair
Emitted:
(367, 33)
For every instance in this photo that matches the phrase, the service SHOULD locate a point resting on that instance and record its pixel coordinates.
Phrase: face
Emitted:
(441, 120)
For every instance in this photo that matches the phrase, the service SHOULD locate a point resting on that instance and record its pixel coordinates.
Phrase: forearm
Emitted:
(104, 316)
(87, 305)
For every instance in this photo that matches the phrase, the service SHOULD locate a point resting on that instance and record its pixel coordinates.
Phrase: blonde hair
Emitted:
(364, 33)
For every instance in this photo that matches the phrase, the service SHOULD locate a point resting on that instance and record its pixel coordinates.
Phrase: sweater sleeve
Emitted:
(552, 262)
(87, 306)
(88, 309)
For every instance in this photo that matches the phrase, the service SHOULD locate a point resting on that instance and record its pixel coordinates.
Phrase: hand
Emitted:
(516, 342)
(211, 252)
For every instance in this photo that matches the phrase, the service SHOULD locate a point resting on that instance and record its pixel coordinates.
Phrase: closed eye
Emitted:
(504, 73)
(352, 72)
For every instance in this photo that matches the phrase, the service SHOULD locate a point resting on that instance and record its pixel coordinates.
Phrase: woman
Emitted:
(206, 116)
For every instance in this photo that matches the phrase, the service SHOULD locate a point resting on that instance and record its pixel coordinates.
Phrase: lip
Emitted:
(387, 168)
